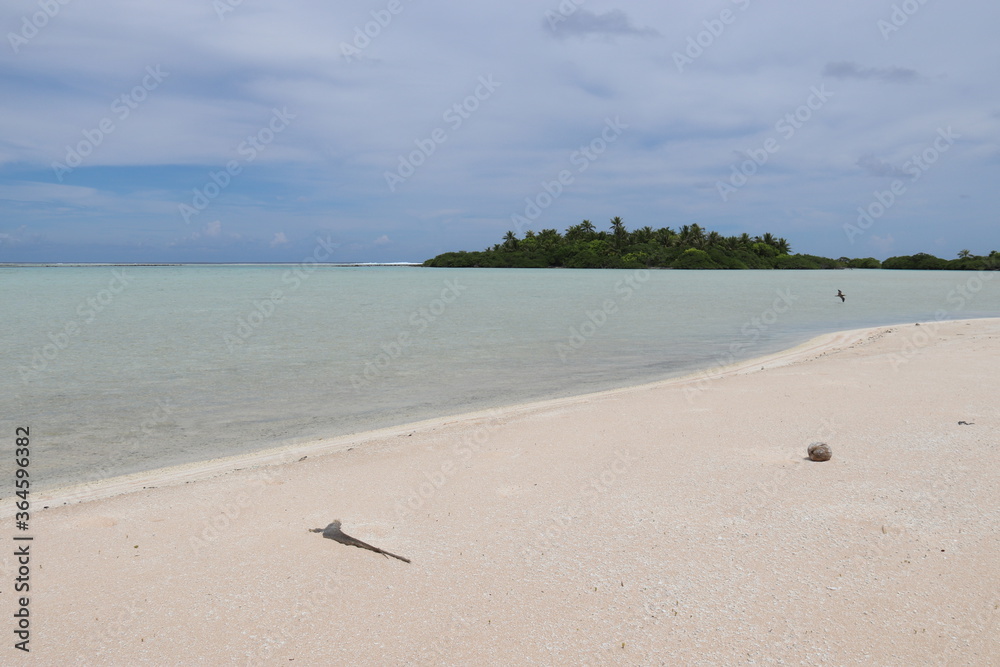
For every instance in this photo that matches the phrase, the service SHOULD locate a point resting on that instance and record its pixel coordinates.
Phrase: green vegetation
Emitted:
(584, 247)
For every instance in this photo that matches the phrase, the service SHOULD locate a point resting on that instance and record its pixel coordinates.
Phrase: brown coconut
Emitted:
(820, 451)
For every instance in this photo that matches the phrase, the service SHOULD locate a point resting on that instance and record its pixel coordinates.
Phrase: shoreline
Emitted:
(291, 453)
(678, 522)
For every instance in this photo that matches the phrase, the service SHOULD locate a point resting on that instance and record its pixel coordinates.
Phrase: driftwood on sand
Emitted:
(333, 532)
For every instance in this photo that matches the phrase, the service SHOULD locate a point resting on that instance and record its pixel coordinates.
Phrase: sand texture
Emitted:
(679, 523)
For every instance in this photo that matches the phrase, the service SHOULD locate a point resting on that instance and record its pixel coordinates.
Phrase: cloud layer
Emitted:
(224, 131)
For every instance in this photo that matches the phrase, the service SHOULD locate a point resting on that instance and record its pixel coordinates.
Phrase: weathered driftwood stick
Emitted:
(333, 532)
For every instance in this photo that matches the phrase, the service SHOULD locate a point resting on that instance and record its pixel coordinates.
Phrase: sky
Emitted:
(394, 130)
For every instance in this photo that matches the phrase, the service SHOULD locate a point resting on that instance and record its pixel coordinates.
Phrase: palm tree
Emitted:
(962, 254)
(510, 241)
(642, 235)
(666, 236)
(782, 246)
(588, 227)
(696, 235)
(618, 227)
(684, 236)
(548, 238)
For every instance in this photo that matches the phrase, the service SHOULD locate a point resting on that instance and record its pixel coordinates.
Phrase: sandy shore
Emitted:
(676, 524)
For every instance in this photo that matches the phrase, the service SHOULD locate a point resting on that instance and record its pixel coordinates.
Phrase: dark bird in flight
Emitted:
(842, 296)
(334, 533)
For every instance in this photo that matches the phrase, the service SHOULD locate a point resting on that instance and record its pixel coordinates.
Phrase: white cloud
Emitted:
(279, 239)
(355, 119)
(50, 192)
(582, 22)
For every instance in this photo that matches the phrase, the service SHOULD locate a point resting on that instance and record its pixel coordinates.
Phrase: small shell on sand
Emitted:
(819, 451)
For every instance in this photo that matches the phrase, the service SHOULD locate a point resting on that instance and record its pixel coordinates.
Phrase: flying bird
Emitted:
(842, 296)
(334, 533)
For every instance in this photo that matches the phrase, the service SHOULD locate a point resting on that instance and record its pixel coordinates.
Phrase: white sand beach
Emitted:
(678, 523)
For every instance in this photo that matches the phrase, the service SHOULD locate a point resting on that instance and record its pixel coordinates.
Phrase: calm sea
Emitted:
(122, 369)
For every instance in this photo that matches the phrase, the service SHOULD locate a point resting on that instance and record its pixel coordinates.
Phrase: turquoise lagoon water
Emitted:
(122, 369)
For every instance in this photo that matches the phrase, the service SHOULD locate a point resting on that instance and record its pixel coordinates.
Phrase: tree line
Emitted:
(583, 246)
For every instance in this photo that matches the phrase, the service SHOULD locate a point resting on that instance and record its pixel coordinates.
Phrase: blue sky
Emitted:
(201, 130)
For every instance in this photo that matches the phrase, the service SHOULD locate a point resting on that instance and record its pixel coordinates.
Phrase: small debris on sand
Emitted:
(334, 533)
(820, 451)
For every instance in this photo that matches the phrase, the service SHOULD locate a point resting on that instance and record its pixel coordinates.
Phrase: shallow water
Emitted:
(121, 369)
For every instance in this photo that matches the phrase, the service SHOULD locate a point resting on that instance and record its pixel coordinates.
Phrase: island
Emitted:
(583, 246)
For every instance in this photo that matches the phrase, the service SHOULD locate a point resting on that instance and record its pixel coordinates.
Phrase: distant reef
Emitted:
(691, 247)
